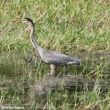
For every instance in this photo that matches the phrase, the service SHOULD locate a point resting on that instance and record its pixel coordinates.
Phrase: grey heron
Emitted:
(50, 57)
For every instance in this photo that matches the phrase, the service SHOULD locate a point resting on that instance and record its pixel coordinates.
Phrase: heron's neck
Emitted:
(33, 40)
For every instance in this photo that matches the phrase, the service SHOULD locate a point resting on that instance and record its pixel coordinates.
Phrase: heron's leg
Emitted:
(53, 69)
(65, 69)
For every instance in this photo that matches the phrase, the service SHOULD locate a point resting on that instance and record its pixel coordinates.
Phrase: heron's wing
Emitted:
(58, 58)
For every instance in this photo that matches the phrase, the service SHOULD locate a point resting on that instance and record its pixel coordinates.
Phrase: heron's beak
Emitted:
(16, 21)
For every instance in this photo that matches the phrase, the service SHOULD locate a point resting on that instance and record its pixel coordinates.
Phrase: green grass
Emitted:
(75, 27)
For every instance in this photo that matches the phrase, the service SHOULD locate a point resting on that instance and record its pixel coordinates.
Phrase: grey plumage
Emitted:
(51, 57)
(57, 58)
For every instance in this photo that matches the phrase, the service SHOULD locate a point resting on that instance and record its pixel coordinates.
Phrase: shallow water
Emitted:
(15, 75)
(18, 72)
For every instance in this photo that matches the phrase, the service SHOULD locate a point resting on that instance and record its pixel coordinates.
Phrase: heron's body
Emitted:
(56, 58)
(50, 57)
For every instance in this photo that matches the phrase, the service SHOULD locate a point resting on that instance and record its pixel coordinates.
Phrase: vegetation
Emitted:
(76, 27)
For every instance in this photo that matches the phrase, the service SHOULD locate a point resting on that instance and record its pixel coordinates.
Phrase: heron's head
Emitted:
(28, 21)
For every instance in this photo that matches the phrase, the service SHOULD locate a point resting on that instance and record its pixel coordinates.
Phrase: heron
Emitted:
(53, 58)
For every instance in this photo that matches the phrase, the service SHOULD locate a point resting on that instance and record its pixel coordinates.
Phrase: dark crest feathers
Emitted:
(29, 19)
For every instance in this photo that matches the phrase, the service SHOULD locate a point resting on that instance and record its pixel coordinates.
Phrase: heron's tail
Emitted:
(75, 61)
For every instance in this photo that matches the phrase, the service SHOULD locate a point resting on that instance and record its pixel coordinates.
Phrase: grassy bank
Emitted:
(74, 27)
(60, 25)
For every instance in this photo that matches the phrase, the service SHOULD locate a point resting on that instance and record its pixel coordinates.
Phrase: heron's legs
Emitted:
(53, 69)
(65, 70)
